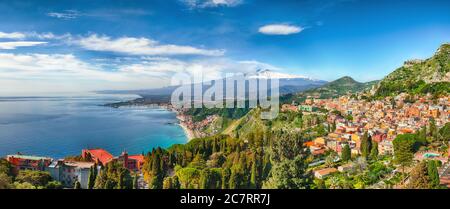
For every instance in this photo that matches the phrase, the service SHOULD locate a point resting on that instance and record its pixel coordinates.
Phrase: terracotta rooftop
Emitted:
(102, 155)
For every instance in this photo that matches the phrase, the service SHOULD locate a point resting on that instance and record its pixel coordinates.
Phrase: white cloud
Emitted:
(211, 3)
(66, 72)
(65, 15)
(280, 29)
(14, 35)
(140, 46)
(15, 44)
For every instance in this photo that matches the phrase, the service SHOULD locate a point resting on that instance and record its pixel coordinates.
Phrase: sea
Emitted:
(60, 126)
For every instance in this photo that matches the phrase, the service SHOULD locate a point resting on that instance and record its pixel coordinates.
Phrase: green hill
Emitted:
(419, 76)
(332, 89)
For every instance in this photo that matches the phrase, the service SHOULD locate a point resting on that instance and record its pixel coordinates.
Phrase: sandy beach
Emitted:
(189, 133)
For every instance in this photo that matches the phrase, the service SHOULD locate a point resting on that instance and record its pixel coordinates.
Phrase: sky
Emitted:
(87, 45)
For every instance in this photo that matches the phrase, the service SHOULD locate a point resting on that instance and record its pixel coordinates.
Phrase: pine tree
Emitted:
(403, 149)
(289, 166)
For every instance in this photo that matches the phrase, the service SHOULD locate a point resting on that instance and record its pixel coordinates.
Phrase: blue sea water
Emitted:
(64, 125)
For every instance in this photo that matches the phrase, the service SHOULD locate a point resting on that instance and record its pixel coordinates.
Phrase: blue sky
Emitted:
(90, 45)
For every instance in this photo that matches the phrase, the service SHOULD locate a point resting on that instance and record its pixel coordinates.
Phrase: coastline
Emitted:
(190, 134)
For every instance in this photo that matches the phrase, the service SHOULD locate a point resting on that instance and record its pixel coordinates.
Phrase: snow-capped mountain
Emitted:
(288, 83)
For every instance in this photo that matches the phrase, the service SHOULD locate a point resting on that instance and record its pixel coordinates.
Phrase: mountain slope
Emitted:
(332, 89)
(288, 83)
(419, 76)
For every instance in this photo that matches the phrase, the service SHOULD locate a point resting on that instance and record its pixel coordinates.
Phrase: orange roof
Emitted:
(139, 158)
(102, 155)
(326, 171)
(308, 144)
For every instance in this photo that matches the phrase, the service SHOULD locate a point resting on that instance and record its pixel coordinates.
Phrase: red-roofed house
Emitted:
(131, 162)
(100, 156)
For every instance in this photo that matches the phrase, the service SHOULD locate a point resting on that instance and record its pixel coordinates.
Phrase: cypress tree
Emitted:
(135, 182)
(92, 177)
(254, 175)
(433, 174)
(346, 153)
(374, 151)
(365, 145)
(225, 177)
(77, 185)
(205, 178)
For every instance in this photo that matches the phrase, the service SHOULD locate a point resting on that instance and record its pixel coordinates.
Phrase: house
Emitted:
(28, 162)
(306, 108)
(320, 174)
(68, 172)
(131, 162)
(99, 156)
(288, 107)
(346, 167)
(320, 141)
(386, 147)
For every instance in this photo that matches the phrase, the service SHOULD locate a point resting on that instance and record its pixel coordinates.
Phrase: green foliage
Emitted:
(333, 89)
(5, 181)
(113, 176)
(289, 166)
(54, 185)
(188, 177)
(77, 185)
(411, 78)
(366, 145)
(35, 178)
(404, 149)
(444, 132)
(135, 181)
(346, 153)
(433, 174)
(92, 176)
(419, 178)
(374, 151)
(199, 114)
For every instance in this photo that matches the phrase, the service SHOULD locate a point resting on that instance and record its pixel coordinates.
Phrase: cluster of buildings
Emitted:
(382, 120)
(197, 128)
(69, 171)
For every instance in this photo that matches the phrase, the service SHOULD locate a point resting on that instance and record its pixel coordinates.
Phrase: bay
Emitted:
(60, 126)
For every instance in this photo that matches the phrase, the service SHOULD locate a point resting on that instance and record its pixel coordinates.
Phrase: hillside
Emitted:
(419, 76)
(332, 89)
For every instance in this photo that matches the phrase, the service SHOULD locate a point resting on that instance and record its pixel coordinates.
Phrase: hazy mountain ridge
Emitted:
(332, 89)
(288, 83)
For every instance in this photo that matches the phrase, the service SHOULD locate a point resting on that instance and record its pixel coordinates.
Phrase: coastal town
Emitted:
(382, 120)
(348, 119)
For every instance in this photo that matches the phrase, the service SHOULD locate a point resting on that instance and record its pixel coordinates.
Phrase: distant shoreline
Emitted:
(190, 134)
